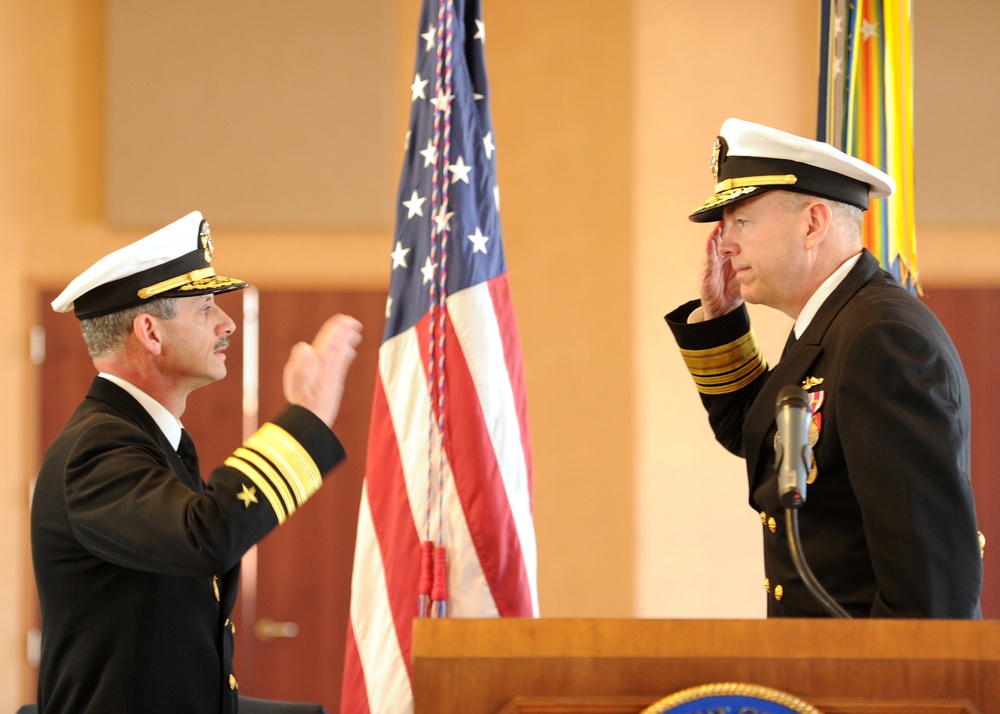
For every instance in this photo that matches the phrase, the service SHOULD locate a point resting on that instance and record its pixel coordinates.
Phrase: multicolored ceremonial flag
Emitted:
(445, 526)
(866, 110)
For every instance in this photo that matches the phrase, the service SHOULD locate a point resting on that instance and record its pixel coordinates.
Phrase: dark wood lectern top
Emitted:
(856, 666)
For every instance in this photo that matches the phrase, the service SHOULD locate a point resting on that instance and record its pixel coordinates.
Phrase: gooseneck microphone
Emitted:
(793, 459)
(794, 454)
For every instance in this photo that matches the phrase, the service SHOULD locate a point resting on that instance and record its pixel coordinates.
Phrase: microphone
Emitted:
(793, 454)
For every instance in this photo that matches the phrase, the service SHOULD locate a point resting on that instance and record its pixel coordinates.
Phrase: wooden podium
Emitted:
(622, 666)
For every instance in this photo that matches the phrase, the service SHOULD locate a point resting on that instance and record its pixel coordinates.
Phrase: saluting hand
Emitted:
(720, 291)
(314, 373)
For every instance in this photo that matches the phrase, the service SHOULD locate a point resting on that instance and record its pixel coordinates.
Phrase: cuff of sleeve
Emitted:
(287, 458)
(697, 315)
(314, 435)
(707, 333)
(721, 354)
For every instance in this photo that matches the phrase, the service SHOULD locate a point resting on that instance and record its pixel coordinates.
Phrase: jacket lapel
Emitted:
(758, 429)
(123, 402)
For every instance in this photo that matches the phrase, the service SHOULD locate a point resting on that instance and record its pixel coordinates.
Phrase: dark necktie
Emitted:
(189, 455)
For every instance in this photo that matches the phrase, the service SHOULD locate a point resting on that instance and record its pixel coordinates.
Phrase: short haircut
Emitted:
(106, 334)
(848, 219)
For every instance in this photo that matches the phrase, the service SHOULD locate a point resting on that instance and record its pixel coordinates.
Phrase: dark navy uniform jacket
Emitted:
(889, 524)
(137, 560)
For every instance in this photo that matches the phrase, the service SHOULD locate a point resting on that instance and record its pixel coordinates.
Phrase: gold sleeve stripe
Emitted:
(723, 357)
(254, 475)
(293, 462)
(749, 368)
(734, 386)
(726, 368)
(270, 473)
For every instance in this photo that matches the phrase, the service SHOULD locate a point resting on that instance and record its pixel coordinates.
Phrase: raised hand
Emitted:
(720, 291)
(314, 373)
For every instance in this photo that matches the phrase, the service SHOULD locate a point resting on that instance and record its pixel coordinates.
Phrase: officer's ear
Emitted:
(820, 218)
(148, 331)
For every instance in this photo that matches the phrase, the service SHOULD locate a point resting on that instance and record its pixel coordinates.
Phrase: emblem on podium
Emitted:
(731, 697)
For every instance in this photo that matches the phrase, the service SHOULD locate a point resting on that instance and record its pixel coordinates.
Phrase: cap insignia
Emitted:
(206, 241)
(716, 151)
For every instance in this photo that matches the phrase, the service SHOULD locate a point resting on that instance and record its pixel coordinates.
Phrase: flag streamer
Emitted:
(445, 525)
(866, 110)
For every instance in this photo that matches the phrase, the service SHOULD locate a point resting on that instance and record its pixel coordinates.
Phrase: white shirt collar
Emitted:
(168, 423)
(822, 293)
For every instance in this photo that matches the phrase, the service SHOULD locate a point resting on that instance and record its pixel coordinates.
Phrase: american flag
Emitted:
(445, 525)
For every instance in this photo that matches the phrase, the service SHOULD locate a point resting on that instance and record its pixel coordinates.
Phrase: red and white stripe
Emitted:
(488, 529)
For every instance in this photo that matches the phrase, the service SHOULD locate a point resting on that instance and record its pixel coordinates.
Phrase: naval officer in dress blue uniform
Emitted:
(136, 557)
(889, 525)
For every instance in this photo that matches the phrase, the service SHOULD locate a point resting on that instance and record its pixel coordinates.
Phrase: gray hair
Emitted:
(106, 334)
(847, 219)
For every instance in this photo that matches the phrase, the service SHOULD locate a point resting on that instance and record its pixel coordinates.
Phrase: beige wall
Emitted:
(562, 94)
(604, 115)
(13, 228)
(697, 541)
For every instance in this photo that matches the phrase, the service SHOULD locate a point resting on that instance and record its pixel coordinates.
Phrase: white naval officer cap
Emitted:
(749, 159)
(175, 261)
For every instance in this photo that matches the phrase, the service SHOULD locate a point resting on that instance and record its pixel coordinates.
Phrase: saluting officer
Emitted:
(889, 526)
(136, 558)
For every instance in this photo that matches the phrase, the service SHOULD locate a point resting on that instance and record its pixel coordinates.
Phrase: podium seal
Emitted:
(731, 698)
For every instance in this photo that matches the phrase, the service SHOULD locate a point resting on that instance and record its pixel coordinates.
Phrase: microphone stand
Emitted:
(794, 412)
(812, 584)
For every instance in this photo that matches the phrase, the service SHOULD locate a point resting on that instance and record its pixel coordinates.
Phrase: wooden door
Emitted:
(301, 572)
(971, 316)
(303, 580)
